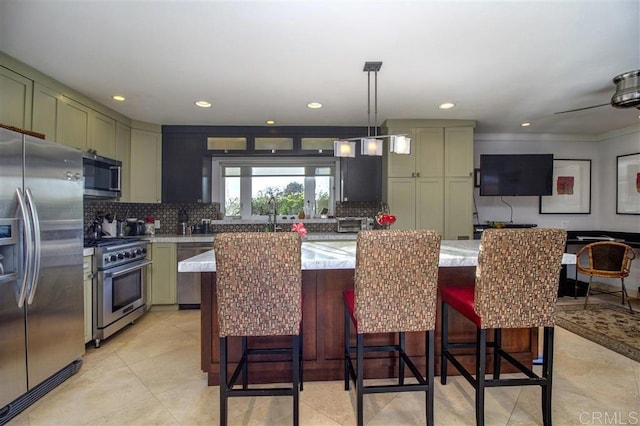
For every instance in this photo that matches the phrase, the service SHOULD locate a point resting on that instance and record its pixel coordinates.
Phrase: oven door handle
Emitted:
(126, 271)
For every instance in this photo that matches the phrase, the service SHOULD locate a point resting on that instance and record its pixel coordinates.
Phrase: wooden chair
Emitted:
(606, 259)
(396, 280)
(259, 291)
(516, 287)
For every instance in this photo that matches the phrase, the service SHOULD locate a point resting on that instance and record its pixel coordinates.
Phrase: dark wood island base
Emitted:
(323, 333)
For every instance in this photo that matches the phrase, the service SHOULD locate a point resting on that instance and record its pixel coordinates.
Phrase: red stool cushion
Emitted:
(461, 299)
(350, 301)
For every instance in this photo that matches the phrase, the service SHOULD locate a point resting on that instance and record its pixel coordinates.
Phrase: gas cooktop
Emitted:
(103, 242)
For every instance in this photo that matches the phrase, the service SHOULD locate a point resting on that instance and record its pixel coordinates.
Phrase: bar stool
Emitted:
(396, 281)
(516, 287)
(259, 291)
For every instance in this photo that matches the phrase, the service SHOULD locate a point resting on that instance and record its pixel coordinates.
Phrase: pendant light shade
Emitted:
(344, 148)
(400, 144)
(371, 146)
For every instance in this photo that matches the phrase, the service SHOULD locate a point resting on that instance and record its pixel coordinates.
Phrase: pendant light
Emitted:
(372, 144)
(344, 148)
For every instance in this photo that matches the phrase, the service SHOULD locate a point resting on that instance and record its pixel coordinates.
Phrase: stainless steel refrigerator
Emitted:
(41, 286)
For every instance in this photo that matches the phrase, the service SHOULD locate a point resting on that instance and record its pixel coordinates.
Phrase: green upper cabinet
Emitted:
(429, 151)
(16, 93)
(458, 152)
(400, 165)
(103, 135)
(81, 127)
(46, 108)
(73, 124)
(146, 166)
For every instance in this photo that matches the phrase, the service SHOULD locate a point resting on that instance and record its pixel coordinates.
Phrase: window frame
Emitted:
(218, 192)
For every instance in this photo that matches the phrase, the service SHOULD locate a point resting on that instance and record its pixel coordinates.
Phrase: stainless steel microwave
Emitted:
(102, 176)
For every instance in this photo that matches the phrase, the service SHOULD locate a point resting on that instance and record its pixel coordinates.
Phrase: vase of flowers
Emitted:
(385, 220)
(300, 229)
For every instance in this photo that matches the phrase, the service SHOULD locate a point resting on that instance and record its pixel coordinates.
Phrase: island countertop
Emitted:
(325, 255)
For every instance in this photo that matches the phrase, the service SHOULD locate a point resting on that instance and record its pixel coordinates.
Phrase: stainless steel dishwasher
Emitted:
(189, 282)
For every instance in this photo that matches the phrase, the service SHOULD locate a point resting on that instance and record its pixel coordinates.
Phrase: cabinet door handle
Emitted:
(418, 174)
(413, 174)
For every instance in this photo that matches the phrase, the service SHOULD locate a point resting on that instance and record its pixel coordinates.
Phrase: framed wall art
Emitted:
(571, 188)
(628, 184)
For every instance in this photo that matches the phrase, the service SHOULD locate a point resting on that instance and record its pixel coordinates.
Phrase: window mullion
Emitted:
(309, 192)
(245, 192)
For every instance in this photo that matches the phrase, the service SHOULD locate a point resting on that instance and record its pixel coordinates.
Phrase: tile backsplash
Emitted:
(358, 208)
(167, 214)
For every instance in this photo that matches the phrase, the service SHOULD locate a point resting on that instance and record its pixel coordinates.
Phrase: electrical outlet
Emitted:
(564, 224)
(156, 224)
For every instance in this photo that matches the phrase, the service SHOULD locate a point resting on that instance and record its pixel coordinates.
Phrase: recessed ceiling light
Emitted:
(314, 105)
(446, 105)
(525, 124)
(118, 98)
(270, 122)
(203, 104)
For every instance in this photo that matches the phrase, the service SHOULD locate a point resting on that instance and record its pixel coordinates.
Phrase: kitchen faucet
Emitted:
(273, 213)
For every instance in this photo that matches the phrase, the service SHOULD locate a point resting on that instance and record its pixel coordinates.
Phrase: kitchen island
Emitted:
(328, 269)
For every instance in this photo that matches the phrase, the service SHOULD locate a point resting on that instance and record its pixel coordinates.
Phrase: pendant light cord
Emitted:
(375, 103)
(368, 103)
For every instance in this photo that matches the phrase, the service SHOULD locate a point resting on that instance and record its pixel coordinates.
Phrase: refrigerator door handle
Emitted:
(28, 255)
(38, 245)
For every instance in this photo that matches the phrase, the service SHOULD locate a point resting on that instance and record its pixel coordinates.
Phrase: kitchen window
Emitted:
(297, 184)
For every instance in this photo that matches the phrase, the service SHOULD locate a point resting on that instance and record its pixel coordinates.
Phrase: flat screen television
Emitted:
(516, 174)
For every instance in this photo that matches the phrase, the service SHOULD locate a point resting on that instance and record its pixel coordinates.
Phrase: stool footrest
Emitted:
(422, 384)
(260, 392)
(414, 387)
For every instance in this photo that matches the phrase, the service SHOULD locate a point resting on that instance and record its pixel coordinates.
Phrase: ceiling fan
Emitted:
(627, 93)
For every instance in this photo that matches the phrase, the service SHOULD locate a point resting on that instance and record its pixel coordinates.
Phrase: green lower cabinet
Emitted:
(163, 274)
(87, 279)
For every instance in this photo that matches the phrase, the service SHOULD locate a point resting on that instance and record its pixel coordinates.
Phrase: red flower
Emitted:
(385, 219)
(299, 228)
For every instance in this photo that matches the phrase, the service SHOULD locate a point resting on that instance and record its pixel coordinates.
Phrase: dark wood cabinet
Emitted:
(186, 161)
(361, 178)
(185, 172)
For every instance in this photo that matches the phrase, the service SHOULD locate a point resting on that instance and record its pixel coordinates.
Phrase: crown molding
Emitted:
(546, 137)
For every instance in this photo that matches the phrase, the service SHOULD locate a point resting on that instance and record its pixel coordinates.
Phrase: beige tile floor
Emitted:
(149, 374)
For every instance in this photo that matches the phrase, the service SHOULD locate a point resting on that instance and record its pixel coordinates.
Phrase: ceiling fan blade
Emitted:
(582, 109)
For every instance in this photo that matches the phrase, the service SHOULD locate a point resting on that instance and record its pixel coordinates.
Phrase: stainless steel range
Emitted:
(119, 287)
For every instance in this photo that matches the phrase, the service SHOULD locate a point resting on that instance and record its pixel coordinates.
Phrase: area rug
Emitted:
(611, 326)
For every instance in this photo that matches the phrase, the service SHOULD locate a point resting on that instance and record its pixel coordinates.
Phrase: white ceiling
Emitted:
(501, 62)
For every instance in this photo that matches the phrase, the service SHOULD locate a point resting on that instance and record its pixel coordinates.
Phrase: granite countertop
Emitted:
(206, 238)
(342, 255)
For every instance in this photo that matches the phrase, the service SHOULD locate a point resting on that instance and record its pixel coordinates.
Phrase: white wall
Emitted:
(525, 209)
(603, 215)
(606, 185)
